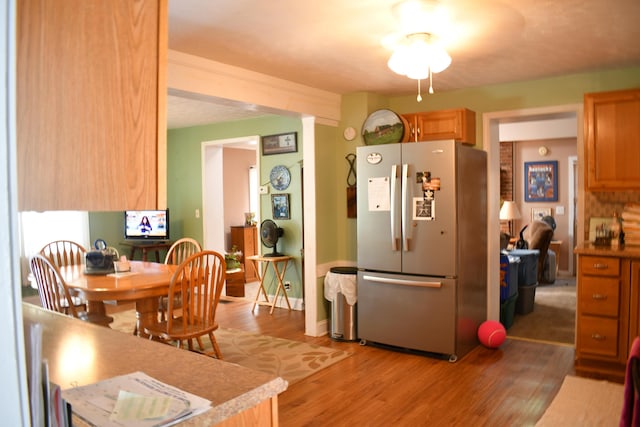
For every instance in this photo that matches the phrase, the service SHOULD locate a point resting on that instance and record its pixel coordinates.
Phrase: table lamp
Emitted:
(508, 212)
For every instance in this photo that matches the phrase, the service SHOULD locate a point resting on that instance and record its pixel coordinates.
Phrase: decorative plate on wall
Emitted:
(382, 127)
(280, 177)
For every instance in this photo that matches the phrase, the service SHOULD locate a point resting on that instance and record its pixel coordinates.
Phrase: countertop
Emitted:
(621, 252)
(81, 353)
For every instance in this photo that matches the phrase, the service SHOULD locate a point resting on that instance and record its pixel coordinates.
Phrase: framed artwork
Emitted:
(280, 206)
(541, 181)
(599, 229)
(538, 213)
(281, 143)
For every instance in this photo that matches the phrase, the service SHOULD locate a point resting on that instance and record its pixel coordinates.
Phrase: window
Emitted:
(39, 228)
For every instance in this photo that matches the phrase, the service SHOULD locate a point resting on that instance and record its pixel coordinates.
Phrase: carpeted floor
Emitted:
(553, 315)
(291, 360)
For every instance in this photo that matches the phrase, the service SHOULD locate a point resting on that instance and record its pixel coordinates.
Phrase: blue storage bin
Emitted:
(508, 276)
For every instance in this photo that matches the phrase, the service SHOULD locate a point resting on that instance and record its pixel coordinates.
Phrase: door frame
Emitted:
(491, 144)
(212, 159)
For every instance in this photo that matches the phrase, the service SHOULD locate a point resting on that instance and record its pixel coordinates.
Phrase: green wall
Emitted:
(184, 186)
(336, 234)
(569, 89)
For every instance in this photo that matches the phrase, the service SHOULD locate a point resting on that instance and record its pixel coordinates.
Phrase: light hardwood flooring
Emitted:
(510, 386)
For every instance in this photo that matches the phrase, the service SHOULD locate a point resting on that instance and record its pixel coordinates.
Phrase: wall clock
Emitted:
(280, 177)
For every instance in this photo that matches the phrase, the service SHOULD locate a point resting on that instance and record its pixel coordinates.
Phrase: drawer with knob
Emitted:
(599, 296)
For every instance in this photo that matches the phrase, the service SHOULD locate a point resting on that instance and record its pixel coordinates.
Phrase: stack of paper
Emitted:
(133, 400)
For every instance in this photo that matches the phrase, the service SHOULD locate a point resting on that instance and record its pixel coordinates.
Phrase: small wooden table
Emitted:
(275, 262)
(146, 247)
(555, 247)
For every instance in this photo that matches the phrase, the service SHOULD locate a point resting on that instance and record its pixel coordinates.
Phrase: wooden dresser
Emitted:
(246, 240)
(608, 309)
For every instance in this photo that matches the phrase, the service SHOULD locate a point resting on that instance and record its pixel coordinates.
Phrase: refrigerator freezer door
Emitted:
(430, 232)
(407, 311)
(378, 196)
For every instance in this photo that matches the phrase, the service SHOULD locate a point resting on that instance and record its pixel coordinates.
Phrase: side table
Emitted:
(146, 247)
(279, 265)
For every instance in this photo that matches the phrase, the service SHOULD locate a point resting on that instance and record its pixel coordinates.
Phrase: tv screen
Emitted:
(146, 224)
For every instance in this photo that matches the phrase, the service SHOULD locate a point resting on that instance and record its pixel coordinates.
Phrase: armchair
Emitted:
(540, 236)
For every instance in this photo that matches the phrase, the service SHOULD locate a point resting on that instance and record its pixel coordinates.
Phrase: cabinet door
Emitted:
(89, 99)
(410, 127)
(457, 124)
(634, 315)
(612, 135)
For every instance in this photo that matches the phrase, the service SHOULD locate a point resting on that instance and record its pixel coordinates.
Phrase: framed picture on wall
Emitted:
(278, 144)
(541, 181)
(280, 206)
(538, 213)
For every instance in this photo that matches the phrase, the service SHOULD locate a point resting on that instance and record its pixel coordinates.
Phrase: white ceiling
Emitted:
(335, 45)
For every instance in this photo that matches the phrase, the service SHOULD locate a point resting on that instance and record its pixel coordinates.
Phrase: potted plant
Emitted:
(233, 258)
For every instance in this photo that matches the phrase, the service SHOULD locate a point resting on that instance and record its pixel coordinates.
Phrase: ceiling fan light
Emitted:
(439, 59)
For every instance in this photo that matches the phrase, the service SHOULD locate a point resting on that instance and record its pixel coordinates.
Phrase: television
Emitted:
(146, 224)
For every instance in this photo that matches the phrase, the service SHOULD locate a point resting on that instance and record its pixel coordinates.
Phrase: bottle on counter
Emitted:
(616, 231)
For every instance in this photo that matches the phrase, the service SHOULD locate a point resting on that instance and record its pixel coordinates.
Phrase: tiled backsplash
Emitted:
(604, 204)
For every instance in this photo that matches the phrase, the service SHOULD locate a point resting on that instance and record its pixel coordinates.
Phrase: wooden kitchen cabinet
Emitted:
(612, 140)
(246, 240)
(458, 124)
(91, 101)
(603, 316)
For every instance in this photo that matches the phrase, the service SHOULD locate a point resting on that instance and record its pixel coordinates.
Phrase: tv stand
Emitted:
(146, 247)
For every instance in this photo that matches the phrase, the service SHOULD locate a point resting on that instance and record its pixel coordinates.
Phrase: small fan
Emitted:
(269, 234)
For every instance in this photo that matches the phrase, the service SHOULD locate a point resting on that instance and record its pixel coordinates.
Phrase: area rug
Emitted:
(585, 402)
(553, 318)
(290, 360)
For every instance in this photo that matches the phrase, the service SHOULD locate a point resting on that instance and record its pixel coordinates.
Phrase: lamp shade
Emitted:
(509, 211)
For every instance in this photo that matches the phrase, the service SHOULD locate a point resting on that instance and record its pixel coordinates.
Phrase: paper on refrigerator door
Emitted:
(378, 192)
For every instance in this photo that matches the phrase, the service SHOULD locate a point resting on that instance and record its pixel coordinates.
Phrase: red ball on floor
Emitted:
(492, 334)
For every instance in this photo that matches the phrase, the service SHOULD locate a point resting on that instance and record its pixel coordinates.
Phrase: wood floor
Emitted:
(511, 386)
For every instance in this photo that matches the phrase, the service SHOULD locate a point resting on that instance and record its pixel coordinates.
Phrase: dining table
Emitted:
(143, 285)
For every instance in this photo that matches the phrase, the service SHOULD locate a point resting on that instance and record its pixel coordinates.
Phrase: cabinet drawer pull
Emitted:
(598, 337)
(599, 297)
(600, 266)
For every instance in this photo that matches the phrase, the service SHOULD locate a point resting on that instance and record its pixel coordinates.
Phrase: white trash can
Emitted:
(340, 290)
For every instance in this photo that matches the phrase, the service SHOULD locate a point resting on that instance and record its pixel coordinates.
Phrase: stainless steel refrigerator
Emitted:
(422, 245)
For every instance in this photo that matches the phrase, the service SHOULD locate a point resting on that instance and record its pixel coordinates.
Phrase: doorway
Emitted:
(491, 144)
(214, 221)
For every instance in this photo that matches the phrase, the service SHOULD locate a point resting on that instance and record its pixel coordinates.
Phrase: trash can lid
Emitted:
(344, 270)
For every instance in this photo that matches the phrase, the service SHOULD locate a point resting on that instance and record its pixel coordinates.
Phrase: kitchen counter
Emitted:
(622, 252)
(81, 353)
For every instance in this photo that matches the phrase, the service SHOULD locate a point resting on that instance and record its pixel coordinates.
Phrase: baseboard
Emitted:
(322, 327)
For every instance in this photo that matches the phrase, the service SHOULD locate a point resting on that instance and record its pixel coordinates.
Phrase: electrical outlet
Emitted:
(287, 285)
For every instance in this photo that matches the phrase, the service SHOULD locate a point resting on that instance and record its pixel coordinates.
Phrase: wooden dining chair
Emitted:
(198, 284)
(181, 250)
(53, 291)
(177, 253)
(63, 253)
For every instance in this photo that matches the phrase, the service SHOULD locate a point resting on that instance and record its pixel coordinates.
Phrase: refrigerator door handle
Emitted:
(405, 185)
(421, 284)
(392, 217)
